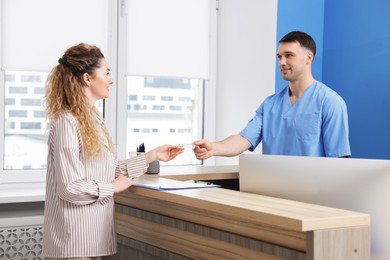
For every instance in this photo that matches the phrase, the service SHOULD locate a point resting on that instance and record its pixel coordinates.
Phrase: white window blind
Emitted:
(169, 38)
(35, 33)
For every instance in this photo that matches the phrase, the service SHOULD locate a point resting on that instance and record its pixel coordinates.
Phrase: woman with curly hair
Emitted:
(82, 173)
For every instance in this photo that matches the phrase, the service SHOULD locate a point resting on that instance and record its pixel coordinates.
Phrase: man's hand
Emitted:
(203, 149)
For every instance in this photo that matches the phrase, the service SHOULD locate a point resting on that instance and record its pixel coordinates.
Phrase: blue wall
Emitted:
(301, 15)
(355, 40)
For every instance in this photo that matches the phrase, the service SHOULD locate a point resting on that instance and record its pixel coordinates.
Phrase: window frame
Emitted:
(209, 96)
(115, 107)
(38, 176)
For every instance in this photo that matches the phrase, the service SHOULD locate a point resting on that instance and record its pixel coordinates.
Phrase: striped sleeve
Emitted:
(131, 167)
(106, 190)
(70, 178)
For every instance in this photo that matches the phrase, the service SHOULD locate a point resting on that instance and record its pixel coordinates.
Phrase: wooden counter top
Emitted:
(304, 216)
(224, 209)
(255, 209)
(290, 224)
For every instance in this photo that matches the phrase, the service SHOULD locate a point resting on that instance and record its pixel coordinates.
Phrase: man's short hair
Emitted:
(303, 38)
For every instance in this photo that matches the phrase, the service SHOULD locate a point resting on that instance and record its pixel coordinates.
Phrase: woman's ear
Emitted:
(87, 79)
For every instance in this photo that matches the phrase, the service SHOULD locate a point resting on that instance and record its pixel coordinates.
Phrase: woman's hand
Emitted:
(121, 183)
(163, 153)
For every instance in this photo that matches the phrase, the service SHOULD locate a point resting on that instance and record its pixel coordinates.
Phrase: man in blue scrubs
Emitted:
(307, 118)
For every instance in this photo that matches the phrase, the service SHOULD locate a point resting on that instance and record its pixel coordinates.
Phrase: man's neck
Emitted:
(296, 88)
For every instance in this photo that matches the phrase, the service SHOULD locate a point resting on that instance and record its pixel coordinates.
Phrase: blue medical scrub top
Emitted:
(317, 125)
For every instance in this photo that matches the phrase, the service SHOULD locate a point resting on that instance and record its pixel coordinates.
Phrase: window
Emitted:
(148, 97)
(158, 121)
(133, 97)
(9, 101)
(160, 86)
(30, 102)
(25, 130)
(17, 90)
(166, 98)
(24, 69)
(39, 90)
(169, 74)
(30, 125)
(39, 114)
(17, 113)
(24, 134)
(158, 107)
(173, 108)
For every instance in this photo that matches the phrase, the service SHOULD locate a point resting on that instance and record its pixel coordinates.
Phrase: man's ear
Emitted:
(310, 57)
(87, 79)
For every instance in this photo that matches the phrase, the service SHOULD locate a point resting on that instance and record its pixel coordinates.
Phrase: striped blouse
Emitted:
(79, 205)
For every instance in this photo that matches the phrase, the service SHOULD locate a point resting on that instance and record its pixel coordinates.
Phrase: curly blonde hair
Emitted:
(65, 92)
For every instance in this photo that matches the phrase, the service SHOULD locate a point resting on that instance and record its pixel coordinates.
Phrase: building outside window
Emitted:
(161, 114)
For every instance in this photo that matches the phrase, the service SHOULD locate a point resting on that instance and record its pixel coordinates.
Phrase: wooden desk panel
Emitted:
(243, 223)
(207, 173)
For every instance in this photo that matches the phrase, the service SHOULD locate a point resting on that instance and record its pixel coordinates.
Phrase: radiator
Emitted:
(21, 243)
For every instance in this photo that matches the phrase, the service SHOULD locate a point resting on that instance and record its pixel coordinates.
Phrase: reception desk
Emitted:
(219, 223)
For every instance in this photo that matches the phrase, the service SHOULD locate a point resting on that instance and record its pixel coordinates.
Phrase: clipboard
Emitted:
(167, 184)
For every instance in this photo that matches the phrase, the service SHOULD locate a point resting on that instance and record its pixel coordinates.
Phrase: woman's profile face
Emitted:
(100, 82)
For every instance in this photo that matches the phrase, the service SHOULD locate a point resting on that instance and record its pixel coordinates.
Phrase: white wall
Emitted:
(245, 63)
